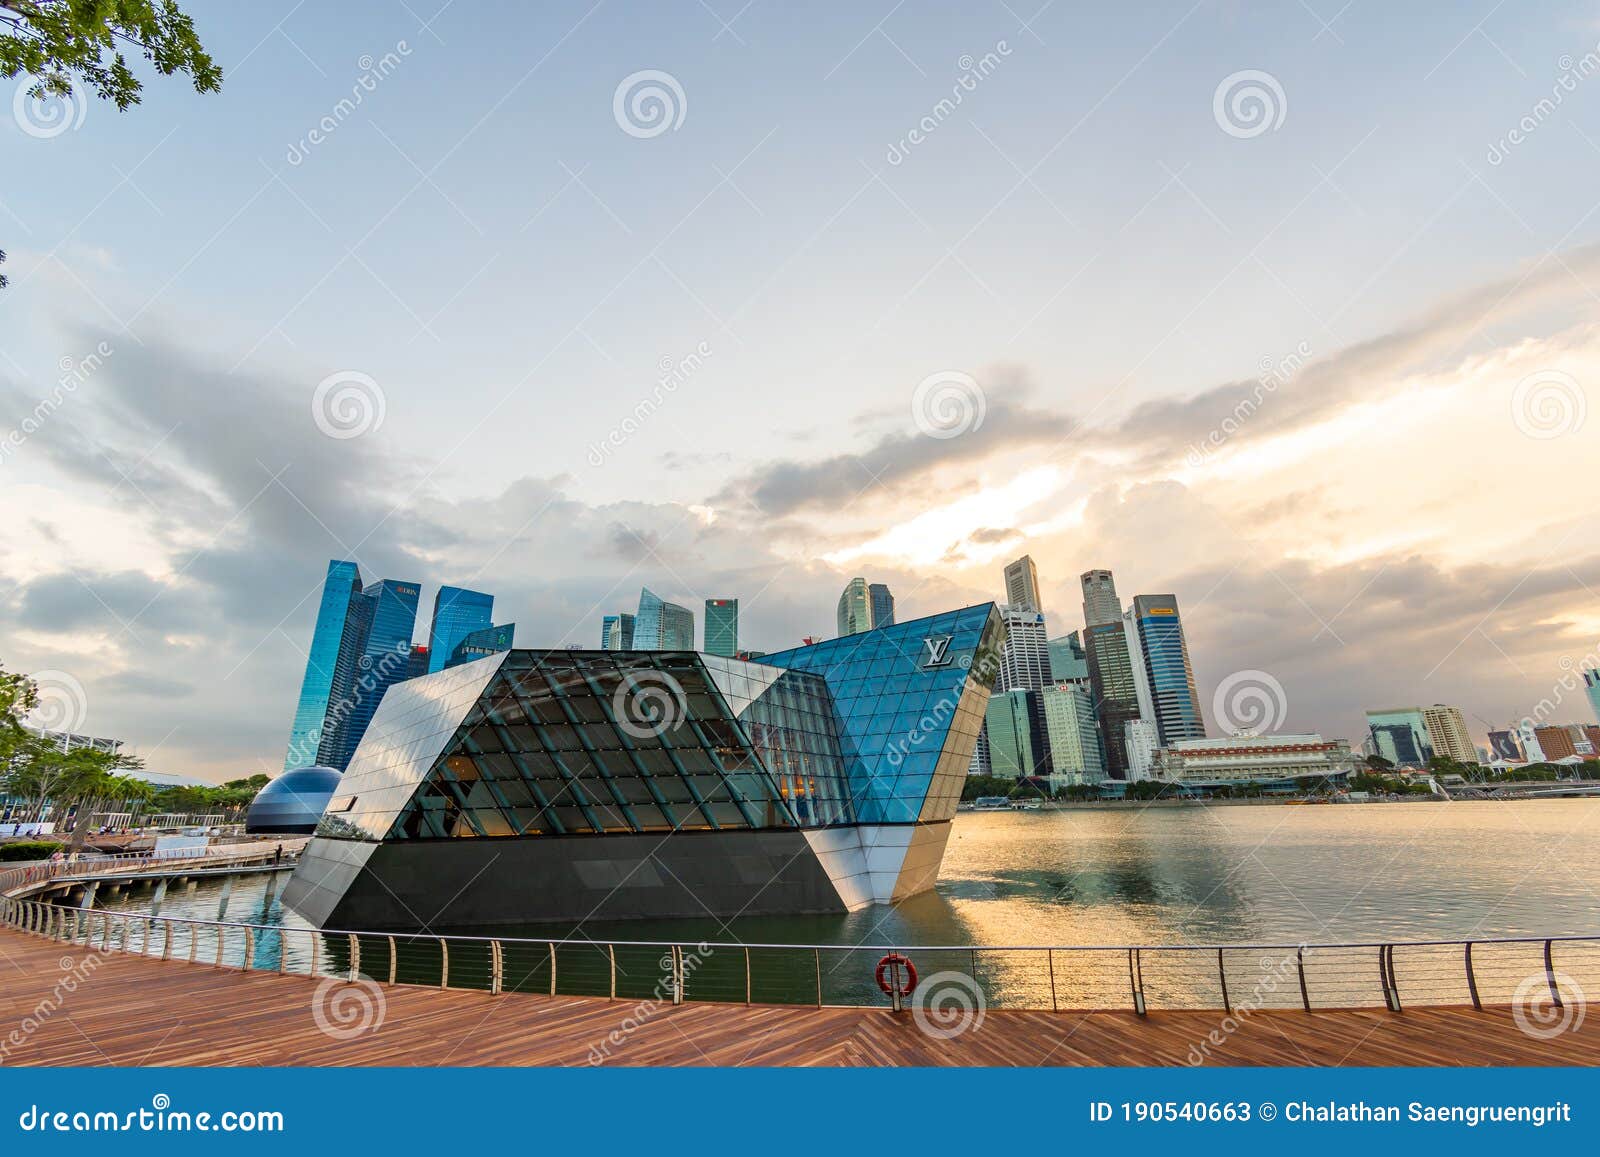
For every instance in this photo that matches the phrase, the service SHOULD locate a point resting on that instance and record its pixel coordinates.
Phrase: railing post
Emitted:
(444, 963)
(747, 974)
(355, 957)
(1136, 980)
(1550, 976)
(283, 950)
(611, 951)
(1222, 975)
(1472, 980)
(1300, 967)
(817, 959)
(677, 975)
(316, 948)
(552, 968)
(249, 946)
(221, 931)
(166, 942)
(496, 975)
(1050, 963)
(392, 961)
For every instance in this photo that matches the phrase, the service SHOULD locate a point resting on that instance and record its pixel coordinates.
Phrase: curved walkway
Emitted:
(131, 1010)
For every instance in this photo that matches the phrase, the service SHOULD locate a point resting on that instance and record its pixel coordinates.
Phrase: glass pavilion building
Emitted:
(558, 784)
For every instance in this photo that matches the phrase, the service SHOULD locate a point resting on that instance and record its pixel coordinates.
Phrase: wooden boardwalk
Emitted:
(135, 1011)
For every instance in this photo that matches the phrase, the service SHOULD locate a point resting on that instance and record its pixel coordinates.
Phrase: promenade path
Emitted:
(131, 1010)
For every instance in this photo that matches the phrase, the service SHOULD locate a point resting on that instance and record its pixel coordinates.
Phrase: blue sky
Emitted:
(1082, 236)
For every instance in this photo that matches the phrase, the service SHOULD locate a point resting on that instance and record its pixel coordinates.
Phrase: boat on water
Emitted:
(991, 803)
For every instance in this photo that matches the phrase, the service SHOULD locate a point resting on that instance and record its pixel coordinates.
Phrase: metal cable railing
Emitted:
(1232, 978)
(110, 866)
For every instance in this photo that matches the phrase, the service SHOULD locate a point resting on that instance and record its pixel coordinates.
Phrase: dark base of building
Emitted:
(350, 885)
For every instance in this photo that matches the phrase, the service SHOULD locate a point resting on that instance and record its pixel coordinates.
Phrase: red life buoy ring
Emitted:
(894, 958)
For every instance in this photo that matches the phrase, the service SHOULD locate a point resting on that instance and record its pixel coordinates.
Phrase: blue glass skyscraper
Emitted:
(457, 612)
(488, 641)
(340, 592)
(722, 627)
(662, 626)
(1167, 668)
(361, 645)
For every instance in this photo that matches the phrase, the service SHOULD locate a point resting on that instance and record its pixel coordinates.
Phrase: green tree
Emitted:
(62, 41)
(1379, 763)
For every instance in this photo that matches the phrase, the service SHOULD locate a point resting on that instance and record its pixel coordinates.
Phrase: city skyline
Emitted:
(1260, 370)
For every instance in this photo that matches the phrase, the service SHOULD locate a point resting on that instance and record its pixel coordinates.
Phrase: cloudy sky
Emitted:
(1290, 310)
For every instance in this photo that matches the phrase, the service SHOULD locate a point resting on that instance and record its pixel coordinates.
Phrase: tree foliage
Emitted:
(60, 42)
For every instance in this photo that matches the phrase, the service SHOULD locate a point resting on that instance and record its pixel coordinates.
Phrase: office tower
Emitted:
(1506, 745)
(1022, 584)
(457, 612)
(485, 641)
(616, 632)
(1530, 741)
(1025, 658)
(360, 646)
(882, 605)
(1142, 738)
(419, 661)
(1400, 735)
(1591, 688)
(1447, 733)
(662, 626)
(1068, 661)
(1012, 721)
(1167, 669)
(1556, 742)
(1070, 730)
(722, 627)
(1100, 602)
(1117, 681)
(340, 591)
(855, 608)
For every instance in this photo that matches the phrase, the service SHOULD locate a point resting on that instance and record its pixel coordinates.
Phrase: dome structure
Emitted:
(293, 803)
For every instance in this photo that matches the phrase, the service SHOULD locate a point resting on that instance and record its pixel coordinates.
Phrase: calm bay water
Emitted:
(1282, 874)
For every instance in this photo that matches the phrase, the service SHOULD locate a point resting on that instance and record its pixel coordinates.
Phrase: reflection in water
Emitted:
(1197, 875)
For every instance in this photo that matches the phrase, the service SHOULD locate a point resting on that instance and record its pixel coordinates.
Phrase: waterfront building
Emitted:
(1142, 738)
(722, 627)
(1022, 584)
(616, 632)
(1400, 735)
(65, 741)
(485, 641)
(1526, 732)
(1555, 742)
(1070, 731)
(1274, 763)
(854, 614)
(1447, 733)
(662, 626)
(881, 601)
(1015, 726)
(1591, 688)
(457, 612)
(820, 779)
(360, 646)
(1068, 661)
(1165, 655)
(292, 804)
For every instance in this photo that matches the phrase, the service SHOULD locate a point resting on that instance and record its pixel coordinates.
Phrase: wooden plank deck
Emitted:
(136, 1011)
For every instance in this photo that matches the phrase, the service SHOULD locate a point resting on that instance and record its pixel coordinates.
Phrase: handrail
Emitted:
(84, 867)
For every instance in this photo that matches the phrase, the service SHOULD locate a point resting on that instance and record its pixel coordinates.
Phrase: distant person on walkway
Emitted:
(277, 856)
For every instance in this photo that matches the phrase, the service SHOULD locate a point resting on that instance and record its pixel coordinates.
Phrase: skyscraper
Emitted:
(1165, 653)
(882, 604)
(359, 647)
(1022, 584)
(616, 632)
(1447, 733)
(1115, 680)
(1071, 733)
(722, 627)
(1100, 601)
(1068, 662)
(484, 641)
(1015, 727)
(662, 626)
(457, 612)
(1400, 735)
(1591, 688)
(855, 608)
(1506, 745)
(1141, 737)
